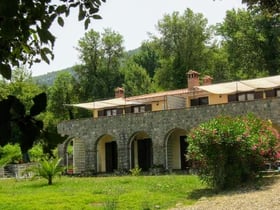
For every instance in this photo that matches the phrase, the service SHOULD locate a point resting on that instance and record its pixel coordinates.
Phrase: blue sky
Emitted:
(133, 19)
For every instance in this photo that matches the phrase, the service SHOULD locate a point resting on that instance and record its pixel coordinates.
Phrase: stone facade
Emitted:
(156, 125)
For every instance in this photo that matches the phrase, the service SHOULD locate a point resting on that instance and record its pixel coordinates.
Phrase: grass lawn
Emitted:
(125, 192)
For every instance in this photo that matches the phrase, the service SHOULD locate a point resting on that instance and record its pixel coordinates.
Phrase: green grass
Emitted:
(127, 192)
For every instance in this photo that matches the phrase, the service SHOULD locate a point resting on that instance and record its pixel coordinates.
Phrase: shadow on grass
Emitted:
(263, 183)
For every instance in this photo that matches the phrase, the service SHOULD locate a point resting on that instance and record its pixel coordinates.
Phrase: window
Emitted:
(258, 95)
(278, 93)
(232, 98)
(108, 113)
(250, 96)
(136, 109)
(114, 112)
(241, 97)
(199, 101)
(270, 93)
(142, 108)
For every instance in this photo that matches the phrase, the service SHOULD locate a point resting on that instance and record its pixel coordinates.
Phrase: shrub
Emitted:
(135, 171)
(48, 168)
(232, 150)
(9, 154)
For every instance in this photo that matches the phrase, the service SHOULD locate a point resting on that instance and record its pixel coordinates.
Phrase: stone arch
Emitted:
(107, 154)
(176, 149)
(141, 152)
(76, 163)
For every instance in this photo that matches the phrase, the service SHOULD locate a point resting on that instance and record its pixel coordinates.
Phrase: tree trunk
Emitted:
(50, 180)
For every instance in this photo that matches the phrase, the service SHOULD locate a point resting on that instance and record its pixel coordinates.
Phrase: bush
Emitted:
(232, 150)
(47, 168)
(9, 154)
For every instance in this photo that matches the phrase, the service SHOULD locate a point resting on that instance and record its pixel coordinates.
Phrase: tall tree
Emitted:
(136, 79)
(183, 43)
(148, 56)
(62, 92)
(100, 55)
(268, 6)
(251, 40)
(24, 28)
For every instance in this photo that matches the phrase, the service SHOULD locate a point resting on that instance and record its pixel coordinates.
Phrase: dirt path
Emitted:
(266, 197)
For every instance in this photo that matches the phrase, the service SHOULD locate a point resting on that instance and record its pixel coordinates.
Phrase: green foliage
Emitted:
(24, 28)
(9, 154)
(136, 79)
(251, 41)
(272, 7)
(63, 91)
(36, 153)
(135, 171)
(99, 73)
(232, 150)
(183, 44)
(48, 168)
(147, 56)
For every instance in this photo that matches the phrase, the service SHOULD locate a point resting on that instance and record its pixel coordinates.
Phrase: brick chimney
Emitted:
(119, 92)
(193, 79)
(207, 80)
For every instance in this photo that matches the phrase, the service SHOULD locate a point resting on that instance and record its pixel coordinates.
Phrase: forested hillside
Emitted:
(48, 79)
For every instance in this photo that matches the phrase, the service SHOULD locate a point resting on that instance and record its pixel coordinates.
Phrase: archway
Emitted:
(107, 154)
(141, 151)
(176, 150)
(73, 153)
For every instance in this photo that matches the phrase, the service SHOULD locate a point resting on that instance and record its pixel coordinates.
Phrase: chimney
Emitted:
(119, 92)
(193, 79)
(207, 80)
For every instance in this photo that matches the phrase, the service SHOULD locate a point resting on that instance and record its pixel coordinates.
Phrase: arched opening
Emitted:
(141, 151)
(107, 154)
(73, 153)
(176, 150)
(70, 157)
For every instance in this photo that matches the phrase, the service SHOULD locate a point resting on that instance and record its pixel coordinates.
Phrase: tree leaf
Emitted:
(82, 13)
(6, 71)
(40, 104)
(60, 21)
(87, 22)
(44, 56)
(97, 17)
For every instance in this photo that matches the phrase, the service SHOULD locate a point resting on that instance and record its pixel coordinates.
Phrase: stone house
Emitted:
(151, 130)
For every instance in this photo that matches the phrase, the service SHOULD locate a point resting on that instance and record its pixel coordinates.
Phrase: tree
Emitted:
(25, 38)
(232, 150)
(183, 43)
(136, 79)
(269, 6)
(99, 73)
(251, 41)
(19, 122)
(148, 57)
(24, 28)
(63, 91)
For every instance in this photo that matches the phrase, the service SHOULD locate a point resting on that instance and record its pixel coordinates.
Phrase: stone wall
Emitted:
(156, 125)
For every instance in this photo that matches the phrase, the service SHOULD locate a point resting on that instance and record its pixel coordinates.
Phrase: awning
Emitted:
(110, 103)
(243, 86)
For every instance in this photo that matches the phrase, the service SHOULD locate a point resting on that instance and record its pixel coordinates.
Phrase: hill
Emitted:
(48, 79)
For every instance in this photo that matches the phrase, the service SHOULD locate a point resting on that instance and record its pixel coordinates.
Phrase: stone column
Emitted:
(123, 151)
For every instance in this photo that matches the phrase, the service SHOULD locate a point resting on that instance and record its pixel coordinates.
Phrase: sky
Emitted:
(133, 19)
